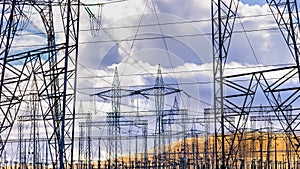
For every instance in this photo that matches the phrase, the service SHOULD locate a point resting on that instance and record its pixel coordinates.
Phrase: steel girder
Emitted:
(243, 88)
(70, 17)
(10, 19)
(15, 80)
(286, 15)
(17, 70)
(247, 89)
(223, 15)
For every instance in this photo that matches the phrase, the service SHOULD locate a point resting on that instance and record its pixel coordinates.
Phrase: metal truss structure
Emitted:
(223, 19)
(159, 91)
(52, 66)
(113, 163)
(243, 90)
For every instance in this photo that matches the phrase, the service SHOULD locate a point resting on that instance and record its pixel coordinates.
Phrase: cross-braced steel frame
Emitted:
(53, 66)
(223, 15)
(242, 90)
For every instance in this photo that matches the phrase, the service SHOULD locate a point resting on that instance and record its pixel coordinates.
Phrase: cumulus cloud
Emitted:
(253, 45)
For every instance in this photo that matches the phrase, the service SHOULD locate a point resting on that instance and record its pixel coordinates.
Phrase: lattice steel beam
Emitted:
(223, 15)
(267, 89)
(286, 15)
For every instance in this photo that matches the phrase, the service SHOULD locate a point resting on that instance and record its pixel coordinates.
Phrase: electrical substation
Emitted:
(133, 112)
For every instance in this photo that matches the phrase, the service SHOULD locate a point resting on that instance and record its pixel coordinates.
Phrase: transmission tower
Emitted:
(286, 15)
(34, 144)
(257, 85)
(84, 140)
(10, 19)
(113, 118)
(22, 144)
(56, 74)
(85, 153)
(81, 146)
(159, 107)
(159, 91)
(223, 19)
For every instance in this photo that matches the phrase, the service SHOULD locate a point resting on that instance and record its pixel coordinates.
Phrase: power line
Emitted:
(157, 24)
(153, 37)
(173, 84)
(249, 42)
(186, 71)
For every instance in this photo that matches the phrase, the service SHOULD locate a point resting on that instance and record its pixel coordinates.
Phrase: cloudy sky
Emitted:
(130, 39)
(128, 35)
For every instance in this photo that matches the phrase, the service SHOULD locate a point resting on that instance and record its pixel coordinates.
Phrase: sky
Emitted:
(188, 45)
(138, 36)
(254, 2)
(185, 54)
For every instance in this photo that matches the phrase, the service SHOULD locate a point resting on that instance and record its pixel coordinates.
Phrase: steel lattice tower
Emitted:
(159, 107)
(34, 145)
(239, 102)
(223, 15)
(22, 144)
(113, 118)
(56, 74)
(81, 147)
(286, 15)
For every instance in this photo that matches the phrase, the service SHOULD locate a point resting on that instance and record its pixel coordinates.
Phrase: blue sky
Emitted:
(180, 53)
(254, 2)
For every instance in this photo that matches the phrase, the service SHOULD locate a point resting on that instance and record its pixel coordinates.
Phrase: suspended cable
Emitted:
(135, 36)
(186, 71)
(152, 38)
(249, 42)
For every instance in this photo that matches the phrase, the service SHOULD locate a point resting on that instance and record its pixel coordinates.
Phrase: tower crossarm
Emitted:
(153, 91)
(108, 94)
(121, 122)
